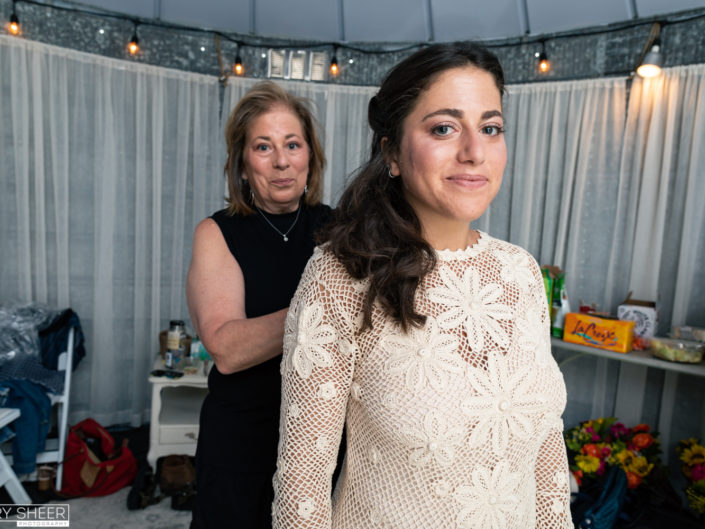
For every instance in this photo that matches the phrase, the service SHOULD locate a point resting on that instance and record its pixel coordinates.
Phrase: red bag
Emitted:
(84, 472)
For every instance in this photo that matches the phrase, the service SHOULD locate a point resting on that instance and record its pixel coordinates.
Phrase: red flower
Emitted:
(578, 475)
(601, 469)
(641, 428)
(591, 450)
(619, 430)
(643, 440)
(697, 473)
(633, 480)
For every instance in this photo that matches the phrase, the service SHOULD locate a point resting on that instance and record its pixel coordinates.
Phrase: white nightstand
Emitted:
(176, 406)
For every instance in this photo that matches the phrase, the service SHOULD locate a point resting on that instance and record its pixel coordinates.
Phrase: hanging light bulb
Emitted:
(651, 65)
(238, 68)
(134, 46)
(334, 69)
(544, 65)
(14, 26)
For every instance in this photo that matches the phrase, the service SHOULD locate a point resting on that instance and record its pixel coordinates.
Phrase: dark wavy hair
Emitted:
(375, 233)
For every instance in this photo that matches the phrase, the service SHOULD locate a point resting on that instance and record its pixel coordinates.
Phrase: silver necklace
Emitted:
(284, 235)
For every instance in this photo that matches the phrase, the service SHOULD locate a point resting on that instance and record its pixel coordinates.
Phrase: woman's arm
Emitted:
(552, 483)
(215, 291)
(317, 371)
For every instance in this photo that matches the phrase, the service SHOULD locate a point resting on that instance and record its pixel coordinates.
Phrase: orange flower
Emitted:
(592, 449)
(641, 428)
(643, 440)
(633, 480)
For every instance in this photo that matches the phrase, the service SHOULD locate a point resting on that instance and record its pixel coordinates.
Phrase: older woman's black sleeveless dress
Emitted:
(239, 423)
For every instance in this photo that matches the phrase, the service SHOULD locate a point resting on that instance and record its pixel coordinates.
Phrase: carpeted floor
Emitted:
(110, 512)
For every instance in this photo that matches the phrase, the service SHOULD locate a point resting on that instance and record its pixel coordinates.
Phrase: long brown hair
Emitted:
(258, 100)
(375, 233)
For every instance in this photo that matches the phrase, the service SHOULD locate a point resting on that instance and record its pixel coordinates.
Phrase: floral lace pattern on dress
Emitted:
(453, 424)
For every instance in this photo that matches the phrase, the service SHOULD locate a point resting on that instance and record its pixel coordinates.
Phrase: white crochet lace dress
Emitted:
(456, 424)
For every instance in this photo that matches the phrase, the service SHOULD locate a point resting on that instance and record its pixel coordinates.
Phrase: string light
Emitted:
(14, 25)
(134, 46)
(649, 63)
(334, 70)
(238, 68)
(544, 64)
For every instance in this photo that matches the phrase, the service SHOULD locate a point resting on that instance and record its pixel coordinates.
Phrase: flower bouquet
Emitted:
(692, 453)
(595, 446)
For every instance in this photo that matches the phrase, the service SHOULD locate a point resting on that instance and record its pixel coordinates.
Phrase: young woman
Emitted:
(428, 339)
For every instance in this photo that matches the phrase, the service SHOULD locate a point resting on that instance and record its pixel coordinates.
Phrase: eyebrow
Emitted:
(454, 112)
(267, 138)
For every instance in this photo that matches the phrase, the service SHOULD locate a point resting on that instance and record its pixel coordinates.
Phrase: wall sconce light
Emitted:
(651, 59)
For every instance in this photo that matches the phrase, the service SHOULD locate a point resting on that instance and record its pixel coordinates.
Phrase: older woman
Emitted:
(247, 260)
(428, 339)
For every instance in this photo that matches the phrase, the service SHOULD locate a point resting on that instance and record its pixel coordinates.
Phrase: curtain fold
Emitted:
(663, 160)
(558, 195)
(664, 153)
(107, 167)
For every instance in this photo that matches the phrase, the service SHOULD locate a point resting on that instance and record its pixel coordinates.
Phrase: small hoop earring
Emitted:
(389, 171)
(252, 196)
(305, 189)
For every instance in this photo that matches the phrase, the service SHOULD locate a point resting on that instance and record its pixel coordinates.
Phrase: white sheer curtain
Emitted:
(106, 168)
(663, 175)
(613, 196)
(341, 112)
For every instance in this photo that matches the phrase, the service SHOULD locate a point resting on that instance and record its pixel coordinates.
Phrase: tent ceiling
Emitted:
(394, 20)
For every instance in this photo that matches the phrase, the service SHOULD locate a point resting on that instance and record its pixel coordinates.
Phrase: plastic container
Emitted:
(175, 344)
(675, 350)
(686, 332)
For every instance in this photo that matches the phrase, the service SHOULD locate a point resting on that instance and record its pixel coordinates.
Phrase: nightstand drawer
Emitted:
(178, 434)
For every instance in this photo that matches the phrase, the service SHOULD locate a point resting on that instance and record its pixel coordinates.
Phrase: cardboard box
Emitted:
(596, 331)
(642, 313)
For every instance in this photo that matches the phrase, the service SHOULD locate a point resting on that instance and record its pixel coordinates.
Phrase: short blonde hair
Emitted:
(260, 99)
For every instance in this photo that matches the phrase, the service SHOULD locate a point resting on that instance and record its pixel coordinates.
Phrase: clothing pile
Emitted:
(31, 339)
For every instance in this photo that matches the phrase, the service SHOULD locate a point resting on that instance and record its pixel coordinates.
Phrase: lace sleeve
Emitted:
(316, 375)
(552, 485)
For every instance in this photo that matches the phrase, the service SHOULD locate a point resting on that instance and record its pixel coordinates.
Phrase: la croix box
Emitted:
(605, 333)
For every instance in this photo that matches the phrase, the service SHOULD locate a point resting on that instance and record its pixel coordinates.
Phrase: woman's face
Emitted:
(276, 158)
(452, 152)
